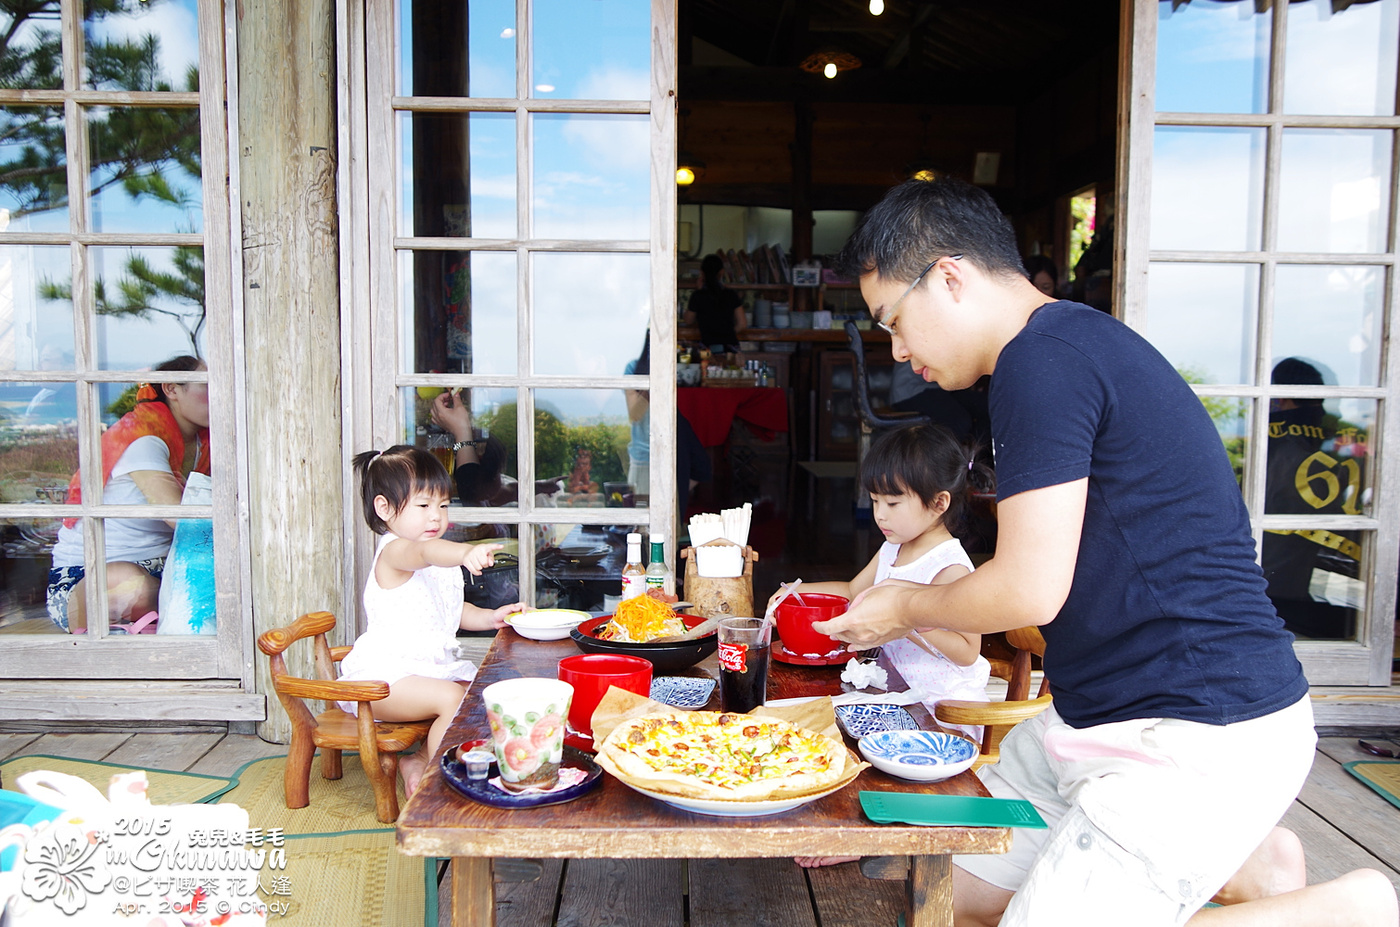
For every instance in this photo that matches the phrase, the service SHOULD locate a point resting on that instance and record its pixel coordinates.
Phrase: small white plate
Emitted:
(734, 809)
(546, 624)
(924, 756)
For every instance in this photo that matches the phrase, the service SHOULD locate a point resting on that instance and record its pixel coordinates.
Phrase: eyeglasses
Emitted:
(887, 325)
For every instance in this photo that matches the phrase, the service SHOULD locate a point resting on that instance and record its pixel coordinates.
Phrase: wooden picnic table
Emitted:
(614, 822)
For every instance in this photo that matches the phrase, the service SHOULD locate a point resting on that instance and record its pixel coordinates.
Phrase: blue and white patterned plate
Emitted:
(925, 756)
(859, 720)
(682, 691)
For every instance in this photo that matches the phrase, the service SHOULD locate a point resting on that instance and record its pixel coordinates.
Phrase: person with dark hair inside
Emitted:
(717, 310)
(480, 459)
(1299, 436)
(1042, 272)
(146, 457)
(1122, 534)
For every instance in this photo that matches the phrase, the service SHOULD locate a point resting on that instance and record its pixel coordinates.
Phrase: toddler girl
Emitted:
(413, 598)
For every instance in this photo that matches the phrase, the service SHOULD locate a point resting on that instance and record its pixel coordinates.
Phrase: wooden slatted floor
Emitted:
(1342, 823)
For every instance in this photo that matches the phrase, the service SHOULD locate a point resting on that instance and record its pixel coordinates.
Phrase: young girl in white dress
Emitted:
(919, 480)
(413, 598)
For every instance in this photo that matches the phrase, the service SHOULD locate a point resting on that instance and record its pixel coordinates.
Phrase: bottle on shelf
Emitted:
(659, 575)
(634, 575)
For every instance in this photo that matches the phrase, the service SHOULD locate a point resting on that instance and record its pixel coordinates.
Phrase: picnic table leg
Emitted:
(473, 892)
(930, 891)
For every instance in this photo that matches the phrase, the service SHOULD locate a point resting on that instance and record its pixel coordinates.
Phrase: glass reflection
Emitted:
(145, 169)
(459, 174)
(448, 48)
(459, 311)
(579, 566)
(141, 45)
(1341, 58)
(38, 441)
(40, 308)
(591, 311)
(498, 584)
(30, 46)
(1334, 190)
(1207, 188)
(591, 176)
(1231, 417)
(1212, 57)
(1203, 318)
(591, 51)
(33, 169)
(581, 446)
(150, 304)
(1332, 316)
(27, 545)
(482, 421)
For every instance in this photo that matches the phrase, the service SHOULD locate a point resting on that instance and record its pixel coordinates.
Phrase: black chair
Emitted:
(869, 418)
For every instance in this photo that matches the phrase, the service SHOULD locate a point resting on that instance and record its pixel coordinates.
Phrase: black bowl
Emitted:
(665, 658)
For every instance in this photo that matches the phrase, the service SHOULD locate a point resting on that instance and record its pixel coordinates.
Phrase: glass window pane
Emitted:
(459, 311)
(1203, 318)
(1341, 58)
(591, 51)
(498, 584)
(1334, 190)
(1331, 317)
(591, 177)
(33, 169)
(38, 442)
(458, 174)
(31, 56)
(27, 545)
(434, 37)
(145, 169)
(1207, 188)
(1212, 57)
(1231, 417)
(484, 474)
(580, 566)
(150, 304)
(36, 302)
(581, 439)
(591, 312)
(151, 45)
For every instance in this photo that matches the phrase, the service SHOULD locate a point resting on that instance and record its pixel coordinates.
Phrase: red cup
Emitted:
(591, 674)
(794, 619)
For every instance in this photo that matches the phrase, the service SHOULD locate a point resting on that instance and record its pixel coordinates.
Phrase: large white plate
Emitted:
(547, 624)
(734, 809)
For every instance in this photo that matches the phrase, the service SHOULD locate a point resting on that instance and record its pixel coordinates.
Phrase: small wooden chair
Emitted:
(998, 718)
(335, 730)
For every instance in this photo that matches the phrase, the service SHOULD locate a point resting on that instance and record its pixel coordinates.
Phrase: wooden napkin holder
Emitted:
(720, 597)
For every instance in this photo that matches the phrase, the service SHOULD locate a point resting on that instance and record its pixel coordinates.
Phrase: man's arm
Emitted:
(1026, 583)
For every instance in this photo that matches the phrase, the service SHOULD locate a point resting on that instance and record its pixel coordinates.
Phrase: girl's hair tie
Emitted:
(146, 393)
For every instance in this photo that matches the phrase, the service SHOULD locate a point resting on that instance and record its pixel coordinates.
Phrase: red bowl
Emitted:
(592, 674)
(794, 620)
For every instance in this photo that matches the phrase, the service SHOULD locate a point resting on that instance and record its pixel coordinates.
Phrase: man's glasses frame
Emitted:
(887, 325)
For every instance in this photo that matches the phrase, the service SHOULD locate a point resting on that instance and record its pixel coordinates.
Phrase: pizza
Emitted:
(722, 755)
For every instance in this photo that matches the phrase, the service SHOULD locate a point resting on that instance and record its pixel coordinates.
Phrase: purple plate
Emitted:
(482, 791)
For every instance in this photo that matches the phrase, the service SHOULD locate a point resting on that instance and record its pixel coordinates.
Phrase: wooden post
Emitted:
(287, 159)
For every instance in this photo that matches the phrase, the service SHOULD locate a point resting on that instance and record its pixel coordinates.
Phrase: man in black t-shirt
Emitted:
(1122, 534)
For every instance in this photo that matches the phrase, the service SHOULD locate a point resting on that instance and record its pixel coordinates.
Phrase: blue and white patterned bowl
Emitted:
(682, 691)
(924, 756)
(859, 720)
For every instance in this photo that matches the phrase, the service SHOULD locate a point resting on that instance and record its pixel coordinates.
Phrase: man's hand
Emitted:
(877, 616)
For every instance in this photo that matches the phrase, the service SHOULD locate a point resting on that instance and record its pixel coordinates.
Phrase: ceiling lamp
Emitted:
(687, 169)
(877, 7)
(829, 62)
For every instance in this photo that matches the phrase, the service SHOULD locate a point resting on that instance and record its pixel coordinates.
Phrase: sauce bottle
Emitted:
(659, 576)
(634, 575)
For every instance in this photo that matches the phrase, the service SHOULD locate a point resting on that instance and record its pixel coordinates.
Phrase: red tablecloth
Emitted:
(711, 410)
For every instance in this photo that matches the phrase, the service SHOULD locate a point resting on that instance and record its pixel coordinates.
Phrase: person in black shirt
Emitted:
(718, 311)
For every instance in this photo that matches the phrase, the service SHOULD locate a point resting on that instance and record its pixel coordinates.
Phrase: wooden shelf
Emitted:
(815, 335)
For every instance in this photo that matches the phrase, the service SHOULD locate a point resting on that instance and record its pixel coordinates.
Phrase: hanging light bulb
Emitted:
(877, 7)
(830, 70)
(685, 176)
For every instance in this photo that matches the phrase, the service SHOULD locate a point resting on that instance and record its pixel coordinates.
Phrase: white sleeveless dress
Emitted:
(933, 678)
(412, 629)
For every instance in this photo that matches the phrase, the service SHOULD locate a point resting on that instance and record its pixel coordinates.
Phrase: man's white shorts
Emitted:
(1148, 818)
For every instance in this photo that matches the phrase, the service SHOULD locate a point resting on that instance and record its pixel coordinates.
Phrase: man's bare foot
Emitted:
(412, 767)
(813, 862)
(1276, 867)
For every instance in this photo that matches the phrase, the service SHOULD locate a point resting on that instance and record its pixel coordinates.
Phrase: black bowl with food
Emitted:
(665, 658)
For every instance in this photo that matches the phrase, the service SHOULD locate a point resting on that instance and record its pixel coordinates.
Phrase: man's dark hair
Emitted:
(920, 221)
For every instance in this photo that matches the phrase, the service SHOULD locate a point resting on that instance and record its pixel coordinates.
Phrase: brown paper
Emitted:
(619, 705)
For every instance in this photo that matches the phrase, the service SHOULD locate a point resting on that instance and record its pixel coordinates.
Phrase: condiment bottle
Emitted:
(634, 575)
(659, 576)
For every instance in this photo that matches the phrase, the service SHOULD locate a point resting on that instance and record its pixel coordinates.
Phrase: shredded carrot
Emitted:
(642, 618)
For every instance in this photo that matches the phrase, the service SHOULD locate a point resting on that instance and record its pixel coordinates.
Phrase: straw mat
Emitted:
(1384, 778)
(337, 805)
(166, 787)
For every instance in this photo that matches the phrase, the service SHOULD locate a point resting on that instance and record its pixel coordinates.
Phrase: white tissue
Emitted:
(869, 675)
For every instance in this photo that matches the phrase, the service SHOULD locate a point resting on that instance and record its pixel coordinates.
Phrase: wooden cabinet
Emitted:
(838, 424)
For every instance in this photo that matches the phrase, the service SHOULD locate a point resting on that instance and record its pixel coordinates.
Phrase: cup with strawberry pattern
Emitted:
(527, 730)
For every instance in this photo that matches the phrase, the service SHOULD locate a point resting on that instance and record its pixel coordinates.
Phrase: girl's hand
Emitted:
(477, 557)
(498, 616)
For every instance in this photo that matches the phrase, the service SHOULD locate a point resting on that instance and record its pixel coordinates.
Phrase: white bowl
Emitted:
(924, 756)
(546, 624)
